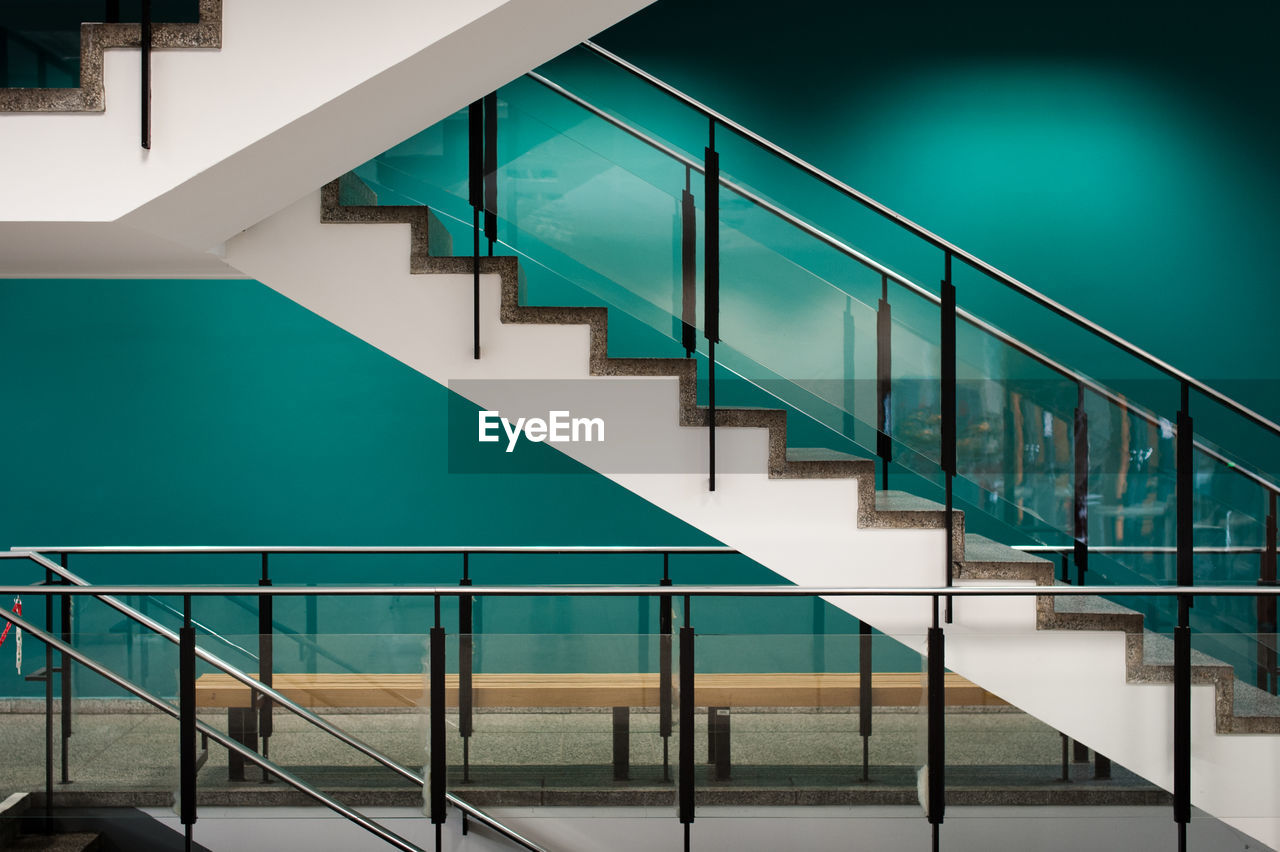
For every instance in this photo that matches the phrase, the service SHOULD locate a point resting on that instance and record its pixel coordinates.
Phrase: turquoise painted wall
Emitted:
(1120, 157)
(218, 412)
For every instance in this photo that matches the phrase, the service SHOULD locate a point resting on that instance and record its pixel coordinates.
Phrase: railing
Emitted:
(436, 788)
(1109, 459)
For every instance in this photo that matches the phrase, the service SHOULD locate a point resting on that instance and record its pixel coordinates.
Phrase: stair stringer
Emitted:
(814, 523)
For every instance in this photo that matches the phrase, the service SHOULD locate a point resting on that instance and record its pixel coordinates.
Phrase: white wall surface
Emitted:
(805, 530)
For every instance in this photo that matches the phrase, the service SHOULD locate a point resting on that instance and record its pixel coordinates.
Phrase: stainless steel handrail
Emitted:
(938, 242)
(277, 697)
(875, 266)
(213, 734)
(423, 549)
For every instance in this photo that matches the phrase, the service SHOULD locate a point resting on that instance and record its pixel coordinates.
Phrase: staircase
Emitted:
(813, 519)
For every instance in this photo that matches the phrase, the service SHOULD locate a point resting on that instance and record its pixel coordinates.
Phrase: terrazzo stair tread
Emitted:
(1089, 604)
(979, 548)
(820, 454)
(901, 501)
(95, 38)
(1250, 702)
(1157, 650)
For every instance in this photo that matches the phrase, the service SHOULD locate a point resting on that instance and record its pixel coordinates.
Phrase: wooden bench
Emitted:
(717, 692)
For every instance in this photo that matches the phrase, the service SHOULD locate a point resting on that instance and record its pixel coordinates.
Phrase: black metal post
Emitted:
(112, 14)
(884, 382)
(491, 169)
(1182, 633)
(146, 74)
(664, 668)
(65, 664)
(266, 662)
(475, 169)
(711, 285)
(48, 708)
(688, 269)
(1080, 434)
(1266, 606)
(465, 648)
(948, 403)
(187, 719)
(935, 790)
(436, 790)
(312, 615)
(864, 695)
(686, 727)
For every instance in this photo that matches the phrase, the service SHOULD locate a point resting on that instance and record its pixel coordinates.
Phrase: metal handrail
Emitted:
(213, 733)
(422, 549)
(879, 268)
(277, 697)
(938, 242)
(1128, 548)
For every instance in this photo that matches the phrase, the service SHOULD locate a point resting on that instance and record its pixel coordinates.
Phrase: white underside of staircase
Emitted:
(300, 92)
(357, 277)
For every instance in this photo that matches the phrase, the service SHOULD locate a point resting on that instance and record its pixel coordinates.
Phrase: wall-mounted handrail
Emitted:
(890, 275)
(215, 735)
(939, 243)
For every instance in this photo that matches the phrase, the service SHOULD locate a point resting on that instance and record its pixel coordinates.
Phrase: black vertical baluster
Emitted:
(664, 668)
(711, 285)
(1080, 432)
(884, 382)
(1182, 633)
(66, 679)
(948, 402)
(112, 15)
(146, 74)
(1066, 567)
(936, 787)
(313, 629)
(187, 719)
(464, 670)
(438, 764)
(1267, 670)
(864, 695)
(688, 269)
(48, 708)
(475, 169)
(491, 169)
(686, 725)
(266, 647)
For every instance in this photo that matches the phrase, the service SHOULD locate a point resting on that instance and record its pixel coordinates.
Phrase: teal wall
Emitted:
(1118, 156)
(163, 412)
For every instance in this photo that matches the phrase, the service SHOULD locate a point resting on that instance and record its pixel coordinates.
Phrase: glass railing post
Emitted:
(688, 268)
(491, 169)
(686, 763)
(664, 668)
(438, 767)
(48, 707)
(1266, 606)
(475, 193)
(464, 670)
(187, 720)
(1080, 436)
(936, 760)
(146, 74)
(884, 382)
(864, 695)
(948, 404)
(266, 647)
(711, 286)
(65, 601)
(1182, 633)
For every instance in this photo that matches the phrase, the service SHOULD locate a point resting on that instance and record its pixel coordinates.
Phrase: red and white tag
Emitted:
(17, 639)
